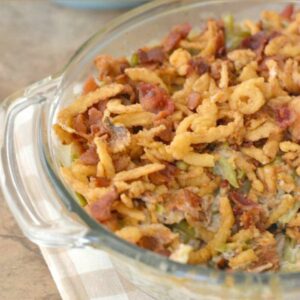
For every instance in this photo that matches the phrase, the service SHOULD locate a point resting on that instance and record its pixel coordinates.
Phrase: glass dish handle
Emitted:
(36, 207)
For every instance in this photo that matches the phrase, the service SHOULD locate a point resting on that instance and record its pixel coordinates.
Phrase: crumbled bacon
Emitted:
(167, 134)
(153, 244)
(193, 100)
(200, 65)
(193, 199)
(90, 156)
(155, 99)
(100, 181)
(95, 116)
(177, 34)
(89, 85)
(220, 42)
(224, 184)
(102, 106)
(153, 55)
(256, 42)
(101, 209)
(288, 12)
(254, 216)
(247, 212)
(79, 124)
(164, 176)
(240, 199)
(148, 242)
(284, 116)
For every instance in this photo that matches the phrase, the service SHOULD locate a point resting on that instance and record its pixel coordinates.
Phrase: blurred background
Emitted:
(37, 37)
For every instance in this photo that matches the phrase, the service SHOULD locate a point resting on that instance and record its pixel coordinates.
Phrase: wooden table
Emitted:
(36, 39)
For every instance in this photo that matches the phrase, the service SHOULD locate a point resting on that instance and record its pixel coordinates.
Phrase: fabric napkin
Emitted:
(82, 274)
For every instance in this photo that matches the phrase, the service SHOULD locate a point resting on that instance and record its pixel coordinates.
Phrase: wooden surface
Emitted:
(36, 39)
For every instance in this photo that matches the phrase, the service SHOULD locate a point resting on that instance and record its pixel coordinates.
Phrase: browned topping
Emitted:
(193, 150)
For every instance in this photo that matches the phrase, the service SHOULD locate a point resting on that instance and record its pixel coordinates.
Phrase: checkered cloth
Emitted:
(82, 274)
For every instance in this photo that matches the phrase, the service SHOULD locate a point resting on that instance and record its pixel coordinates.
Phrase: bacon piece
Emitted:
(200, 65)
(79, 124)
(224, 184)
(100, 181)
(148, 242)
(167, 134)
(288, 12)
(95, 122)
(177, 34)
(284, 116)
(102, 105)
(220, 40)
(101, 209)
(247, 212)
(90, 156)
(156, 241)
(193, 100)
(153, 244)
(164, 176)
(95, 116)
(155, 99)
(256, 42)
(89, 85)
(193, 199)
(254, 216)
(240, 199)
(153, 55)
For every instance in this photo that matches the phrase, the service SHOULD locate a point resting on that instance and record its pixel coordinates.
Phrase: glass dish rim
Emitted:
(98, 232)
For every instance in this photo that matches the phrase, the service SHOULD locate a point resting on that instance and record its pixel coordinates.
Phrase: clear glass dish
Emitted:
(46, 209)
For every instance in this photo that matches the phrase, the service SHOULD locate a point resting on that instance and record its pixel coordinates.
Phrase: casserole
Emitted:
(33, 186)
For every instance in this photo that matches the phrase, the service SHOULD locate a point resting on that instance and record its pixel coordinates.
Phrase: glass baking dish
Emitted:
(45, 208)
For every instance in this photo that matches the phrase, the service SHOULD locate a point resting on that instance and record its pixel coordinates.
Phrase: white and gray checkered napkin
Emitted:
(82, 274)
